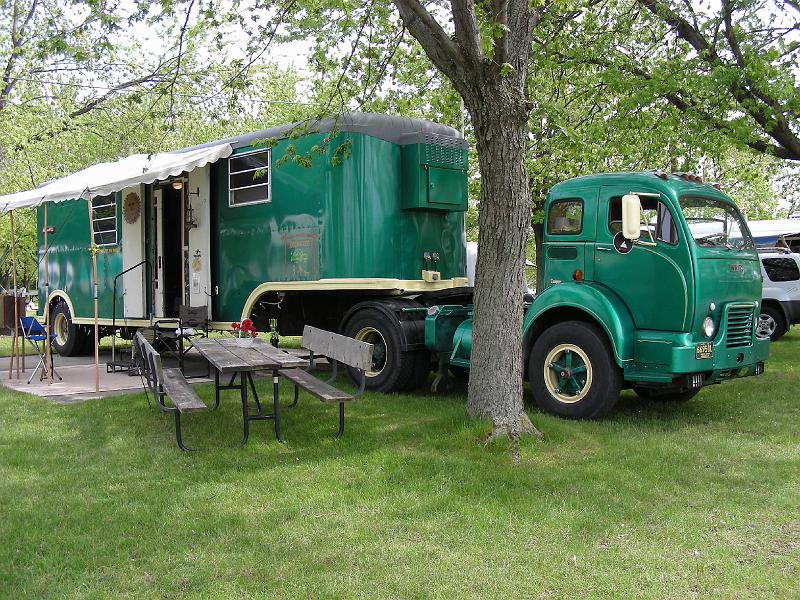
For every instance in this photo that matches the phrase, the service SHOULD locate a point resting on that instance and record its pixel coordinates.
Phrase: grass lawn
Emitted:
(659, 501)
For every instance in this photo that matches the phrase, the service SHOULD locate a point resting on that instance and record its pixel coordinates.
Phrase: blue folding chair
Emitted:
(33, 331)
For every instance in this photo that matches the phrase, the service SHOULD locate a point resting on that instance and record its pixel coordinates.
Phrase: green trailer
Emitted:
(651, 281)
(358, 239)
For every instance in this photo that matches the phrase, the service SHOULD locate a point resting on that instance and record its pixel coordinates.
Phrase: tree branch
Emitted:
(17, 41)
(761, 106)
(434, 40)
(467, 34)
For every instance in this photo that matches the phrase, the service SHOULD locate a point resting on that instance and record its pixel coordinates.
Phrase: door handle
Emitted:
(604, 248)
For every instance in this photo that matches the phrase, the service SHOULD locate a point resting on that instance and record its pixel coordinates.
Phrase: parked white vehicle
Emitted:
(780, 304)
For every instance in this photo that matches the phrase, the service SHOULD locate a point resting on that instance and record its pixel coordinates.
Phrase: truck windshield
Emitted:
(715, 224)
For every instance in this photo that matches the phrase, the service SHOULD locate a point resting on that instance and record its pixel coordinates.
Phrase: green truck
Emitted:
(357, 225)
(651, 281)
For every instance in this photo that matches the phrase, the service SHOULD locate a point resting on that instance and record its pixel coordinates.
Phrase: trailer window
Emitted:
(781, 269)
(249, 179)
(565, 217)
(104, 220)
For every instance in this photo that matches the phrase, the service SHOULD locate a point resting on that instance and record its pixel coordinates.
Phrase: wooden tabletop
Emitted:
(234, 355)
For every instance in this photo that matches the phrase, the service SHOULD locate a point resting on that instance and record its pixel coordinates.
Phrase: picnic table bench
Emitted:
(167, 383)
(337, 349)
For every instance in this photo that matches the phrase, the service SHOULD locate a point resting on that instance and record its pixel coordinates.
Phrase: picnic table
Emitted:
(240, 357)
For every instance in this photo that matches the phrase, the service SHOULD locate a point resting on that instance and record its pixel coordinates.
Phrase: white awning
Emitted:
(105, 178)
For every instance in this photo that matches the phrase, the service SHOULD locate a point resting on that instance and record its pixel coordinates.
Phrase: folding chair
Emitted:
(33, 331)
(192, 323)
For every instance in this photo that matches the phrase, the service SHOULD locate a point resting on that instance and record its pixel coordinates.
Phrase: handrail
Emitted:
(114, 306)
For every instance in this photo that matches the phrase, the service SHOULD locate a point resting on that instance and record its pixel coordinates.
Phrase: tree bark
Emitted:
(494, 90)
(495, 383)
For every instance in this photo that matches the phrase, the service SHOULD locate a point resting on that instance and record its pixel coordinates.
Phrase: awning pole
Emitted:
(93, 248)
(47, 342)
(15, 340)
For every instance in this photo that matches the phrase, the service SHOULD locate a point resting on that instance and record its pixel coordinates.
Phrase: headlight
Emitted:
(708, 327)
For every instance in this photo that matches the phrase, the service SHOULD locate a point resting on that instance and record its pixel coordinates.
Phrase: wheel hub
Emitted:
(374, 337)
(60, 328)
(568, 373)
(765, 327)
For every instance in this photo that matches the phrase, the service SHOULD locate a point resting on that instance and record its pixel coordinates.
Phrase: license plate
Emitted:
(704, 350)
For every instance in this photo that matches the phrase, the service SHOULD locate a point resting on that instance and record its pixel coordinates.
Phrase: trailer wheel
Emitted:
(69, 339)
(572, 372)
(667, 394)
(392, 370)
(771, 324)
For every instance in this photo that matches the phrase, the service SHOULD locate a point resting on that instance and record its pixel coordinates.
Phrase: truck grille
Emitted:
(740, 326)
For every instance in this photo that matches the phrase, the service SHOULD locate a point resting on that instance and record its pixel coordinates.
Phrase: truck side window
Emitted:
(781, 269)
(657, 220)
(565, 217)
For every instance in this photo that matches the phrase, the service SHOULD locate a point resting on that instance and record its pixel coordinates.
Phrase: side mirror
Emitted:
(631, 217)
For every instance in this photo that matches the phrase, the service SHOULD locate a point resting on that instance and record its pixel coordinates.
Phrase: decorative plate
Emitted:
(131, 207)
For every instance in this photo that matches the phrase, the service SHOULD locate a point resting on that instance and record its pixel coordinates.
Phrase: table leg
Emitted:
(216, 389)
(255, 394)
(276, 414)
(245, 410)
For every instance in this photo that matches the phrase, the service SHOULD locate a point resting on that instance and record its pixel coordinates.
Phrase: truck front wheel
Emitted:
(572, 372)
(392, 370)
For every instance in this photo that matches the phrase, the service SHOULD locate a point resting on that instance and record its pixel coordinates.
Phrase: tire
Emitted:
(69, 338)
(666, 394)
(771, 324)
(392, 370)
(591, 384)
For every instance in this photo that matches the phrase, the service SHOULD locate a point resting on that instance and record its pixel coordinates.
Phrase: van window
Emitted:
(565, 217)
(657, 220)
(781, 269)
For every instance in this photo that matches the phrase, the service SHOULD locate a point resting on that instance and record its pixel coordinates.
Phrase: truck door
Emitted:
(654, 280)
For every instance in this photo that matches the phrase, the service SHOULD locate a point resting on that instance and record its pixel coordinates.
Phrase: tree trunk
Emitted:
(495, 382)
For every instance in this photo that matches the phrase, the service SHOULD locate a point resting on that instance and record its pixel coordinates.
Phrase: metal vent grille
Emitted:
(449, 157)
(740, 326)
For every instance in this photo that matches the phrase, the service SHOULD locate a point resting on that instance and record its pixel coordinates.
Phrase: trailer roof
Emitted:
(105, 178)
(398, 130)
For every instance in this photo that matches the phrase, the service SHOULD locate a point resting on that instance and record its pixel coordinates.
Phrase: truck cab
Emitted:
(650, 281)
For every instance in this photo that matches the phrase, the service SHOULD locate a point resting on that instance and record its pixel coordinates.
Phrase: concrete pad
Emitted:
(78, 377)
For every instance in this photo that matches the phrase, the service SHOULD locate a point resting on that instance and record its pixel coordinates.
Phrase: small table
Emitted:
(242, 356)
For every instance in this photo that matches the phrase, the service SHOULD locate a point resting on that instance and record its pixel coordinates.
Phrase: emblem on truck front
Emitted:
(736, 268)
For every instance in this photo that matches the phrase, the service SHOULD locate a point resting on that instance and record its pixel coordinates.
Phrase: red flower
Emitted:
(236, 326)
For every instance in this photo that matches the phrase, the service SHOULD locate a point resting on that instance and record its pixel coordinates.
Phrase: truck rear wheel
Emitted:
(69, 339)
(572, 372)
(392, 370)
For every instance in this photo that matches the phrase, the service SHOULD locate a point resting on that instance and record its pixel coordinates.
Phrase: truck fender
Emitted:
(587, 301)
(412, 324)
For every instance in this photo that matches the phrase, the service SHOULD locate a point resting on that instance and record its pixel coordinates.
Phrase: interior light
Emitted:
(177, 185)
